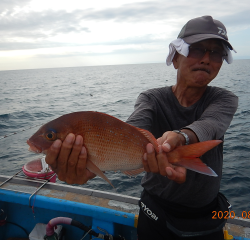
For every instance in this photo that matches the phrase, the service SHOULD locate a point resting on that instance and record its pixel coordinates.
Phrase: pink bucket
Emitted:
(39, 169)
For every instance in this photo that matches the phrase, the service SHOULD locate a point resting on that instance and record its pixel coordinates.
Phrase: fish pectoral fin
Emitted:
(134, 172)
(94, 169)
(196, 165)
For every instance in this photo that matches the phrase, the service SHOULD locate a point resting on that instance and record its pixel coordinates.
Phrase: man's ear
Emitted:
(175, 60)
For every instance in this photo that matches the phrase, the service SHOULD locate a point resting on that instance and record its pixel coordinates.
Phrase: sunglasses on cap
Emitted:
(214, 55)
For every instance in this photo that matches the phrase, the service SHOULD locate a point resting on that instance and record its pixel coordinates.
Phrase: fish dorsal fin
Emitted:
(196, 165)
(150, 138)
(134, 172)
(94, 169)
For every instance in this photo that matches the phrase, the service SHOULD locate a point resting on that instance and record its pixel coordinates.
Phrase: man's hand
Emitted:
(68, 159)
(158, 162)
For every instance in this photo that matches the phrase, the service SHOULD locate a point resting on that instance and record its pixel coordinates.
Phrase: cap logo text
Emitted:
(222, 31)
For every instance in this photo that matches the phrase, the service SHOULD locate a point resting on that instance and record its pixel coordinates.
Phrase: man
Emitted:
(188, 112)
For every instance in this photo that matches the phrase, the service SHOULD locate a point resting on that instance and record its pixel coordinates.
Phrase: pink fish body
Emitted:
(114, 145)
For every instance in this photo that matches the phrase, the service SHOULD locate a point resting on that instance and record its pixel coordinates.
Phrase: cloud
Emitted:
(136, 40)
(21, 45)
(150, 11)
(237, 20)
(6, 5)
(118, 51)
(30, 45)
(26, 28)
(40, 24)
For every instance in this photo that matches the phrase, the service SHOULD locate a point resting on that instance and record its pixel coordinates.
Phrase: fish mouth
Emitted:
(202, 69)
(33, 148)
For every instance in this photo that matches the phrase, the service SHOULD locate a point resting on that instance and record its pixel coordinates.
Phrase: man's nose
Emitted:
(206, 58)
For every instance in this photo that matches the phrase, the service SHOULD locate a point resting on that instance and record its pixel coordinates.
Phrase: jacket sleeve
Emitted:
(143, 114)
(217, 116)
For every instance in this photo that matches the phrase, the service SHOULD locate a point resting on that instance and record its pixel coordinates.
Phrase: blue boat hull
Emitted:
(41, 209)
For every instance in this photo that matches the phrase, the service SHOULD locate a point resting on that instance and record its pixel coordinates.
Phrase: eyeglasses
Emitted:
(214, 55)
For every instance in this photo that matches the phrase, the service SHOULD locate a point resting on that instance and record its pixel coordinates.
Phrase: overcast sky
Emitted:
(59, 33)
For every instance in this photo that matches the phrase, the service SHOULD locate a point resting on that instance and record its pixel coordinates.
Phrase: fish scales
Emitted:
(111, 146)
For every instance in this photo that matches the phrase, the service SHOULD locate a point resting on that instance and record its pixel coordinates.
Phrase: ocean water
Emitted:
(33, 97)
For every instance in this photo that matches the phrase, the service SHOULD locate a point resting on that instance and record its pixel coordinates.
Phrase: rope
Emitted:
(86, 234)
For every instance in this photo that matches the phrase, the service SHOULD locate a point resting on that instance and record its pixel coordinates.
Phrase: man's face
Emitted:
(195, 72)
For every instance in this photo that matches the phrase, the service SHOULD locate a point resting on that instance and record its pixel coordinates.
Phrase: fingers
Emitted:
(166, 147)
(163, 163)
(68, 159)
(155, 163)
(150, 162)
(77, 172)
(158, 163)
(69, 170)
(62, 161)
(81, 164)
(52, 154)
(170, 140)
(178, 174)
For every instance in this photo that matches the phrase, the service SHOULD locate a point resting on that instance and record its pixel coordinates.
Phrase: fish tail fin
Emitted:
(188, 156)
(150, 138)
(94, 169)
(195, 164)
(196, 149)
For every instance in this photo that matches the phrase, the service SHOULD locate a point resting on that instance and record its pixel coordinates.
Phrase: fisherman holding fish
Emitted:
(176, 203)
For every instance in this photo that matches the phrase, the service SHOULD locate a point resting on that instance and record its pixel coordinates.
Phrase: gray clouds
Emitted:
(237, 19)
(6, 5)
(13, 45)
(41, 24)
(19, 28)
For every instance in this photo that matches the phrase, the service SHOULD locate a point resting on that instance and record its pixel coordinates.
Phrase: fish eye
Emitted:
(51, 136)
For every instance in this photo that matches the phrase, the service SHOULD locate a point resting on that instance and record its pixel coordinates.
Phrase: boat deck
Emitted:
(73, 193)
